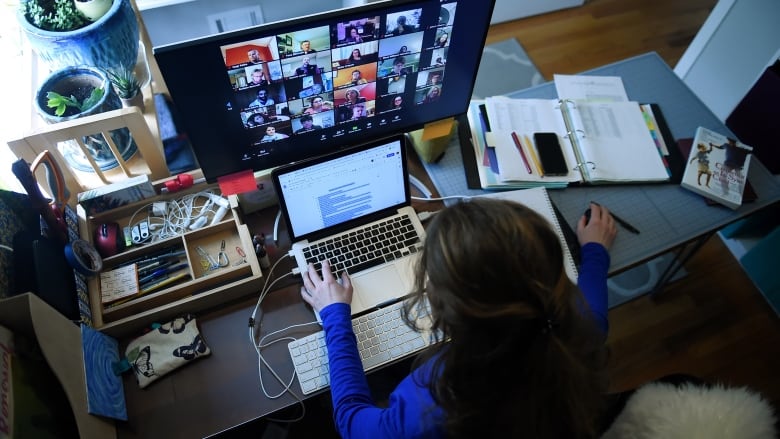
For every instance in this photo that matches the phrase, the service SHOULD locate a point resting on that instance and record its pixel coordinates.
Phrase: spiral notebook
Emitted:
(538, 200)
(602, 142)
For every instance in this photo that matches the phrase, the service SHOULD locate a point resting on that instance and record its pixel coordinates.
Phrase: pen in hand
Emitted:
(626, 225)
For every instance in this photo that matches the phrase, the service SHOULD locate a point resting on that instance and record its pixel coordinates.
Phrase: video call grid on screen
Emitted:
(296, 89)
(342, 64)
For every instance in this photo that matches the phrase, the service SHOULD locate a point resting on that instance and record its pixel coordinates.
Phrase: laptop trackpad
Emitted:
(378, 286)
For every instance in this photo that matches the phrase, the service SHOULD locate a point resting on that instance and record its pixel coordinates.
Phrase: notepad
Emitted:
(538, 200)
(603, 142)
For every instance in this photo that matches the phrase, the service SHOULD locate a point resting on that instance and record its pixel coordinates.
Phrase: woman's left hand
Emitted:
(320, 292)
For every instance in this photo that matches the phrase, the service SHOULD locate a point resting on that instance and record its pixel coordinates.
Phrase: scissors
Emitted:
(241, 253)
(51, 211)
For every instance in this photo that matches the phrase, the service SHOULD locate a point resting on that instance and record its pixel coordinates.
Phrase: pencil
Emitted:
(532, 151)
(522, 153)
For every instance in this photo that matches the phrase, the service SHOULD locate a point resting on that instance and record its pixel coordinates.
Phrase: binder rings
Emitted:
(604, 142)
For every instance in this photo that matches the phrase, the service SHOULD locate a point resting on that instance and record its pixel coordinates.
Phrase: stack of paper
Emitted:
(604, 137)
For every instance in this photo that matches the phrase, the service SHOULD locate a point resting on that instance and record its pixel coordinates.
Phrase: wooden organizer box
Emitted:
(203, 290)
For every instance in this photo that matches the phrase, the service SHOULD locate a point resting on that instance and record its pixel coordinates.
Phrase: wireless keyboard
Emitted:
(382, 337)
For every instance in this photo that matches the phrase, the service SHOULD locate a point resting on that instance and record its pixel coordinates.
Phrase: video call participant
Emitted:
(353, 36)
(401, 26)
(352, 97)
(358, 112)
(399, 66)
(434, 78)
(258, 78)
(271, 135)
(357, 78)
(433, 95)
(441, 41)
(355, 57)
(396, 103)
(317, 105)
(307, 124)
(306, 47)
(263, 99)
(518, 313)
(254, 56)
(255, 120)
(306, 68)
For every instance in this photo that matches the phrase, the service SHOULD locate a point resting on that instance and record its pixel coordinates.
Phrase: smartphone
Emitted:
(550, 154)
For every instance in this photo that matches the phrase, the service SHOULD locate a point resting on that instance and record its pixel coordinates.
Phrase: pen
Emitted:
(531, 150)
(159, 273)
(522, 154)
(621, 221)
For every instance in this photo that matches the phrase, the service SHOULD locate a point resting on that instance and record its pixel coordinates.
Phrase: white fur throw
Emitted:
(660, 410)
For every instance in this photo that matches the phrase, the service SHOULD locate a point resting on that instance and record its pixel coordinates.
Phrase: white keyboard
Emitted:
(382, 337)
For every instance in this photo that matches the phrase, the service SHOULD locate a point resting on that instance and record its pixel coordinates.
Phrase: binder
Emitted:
(604, 142)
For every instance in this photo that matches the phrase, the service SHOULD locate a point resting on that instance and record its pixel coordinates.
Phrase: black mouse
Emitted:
(587, 216)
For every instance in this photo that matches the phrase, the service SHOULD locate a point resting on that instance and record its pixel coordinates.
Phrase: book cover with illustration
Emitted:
(717, 167)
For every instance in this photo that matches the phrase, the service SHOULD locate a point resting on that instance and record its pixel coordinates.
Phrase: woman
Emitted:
(524, 355)
(442, 40)
(271, 135)
(353, 97)
(432, 96)
(355, 56)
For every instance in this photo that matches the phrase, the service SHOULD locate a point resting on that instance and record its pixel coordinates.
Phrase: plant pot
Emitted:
(93, 9)
(135, 101)
(109, 42)
(79, 82)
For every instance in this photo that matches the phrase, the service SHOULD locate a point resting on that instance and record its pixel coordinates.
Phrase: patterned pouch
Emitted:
(165, 348)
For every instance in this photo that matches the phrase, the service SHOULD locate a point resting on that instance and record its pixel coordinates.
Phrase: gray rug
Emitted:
(505, 67)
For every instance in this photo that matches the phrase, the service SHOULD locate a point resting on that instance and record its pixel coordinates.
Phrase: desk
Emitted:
(222, 391)
(667, 215)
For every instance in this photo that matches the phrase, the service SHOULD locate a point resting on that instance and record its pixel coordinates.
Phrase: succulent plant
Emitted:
(54, 15)
(125, 83)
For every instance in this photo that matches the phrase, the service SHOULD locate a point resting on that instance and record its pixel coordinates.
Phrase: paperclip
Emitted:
(207, 261)
(241, 253)
(222, 257)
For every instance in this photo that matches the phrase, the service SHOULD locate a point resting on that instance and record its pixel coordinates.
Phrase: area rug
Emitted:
(504, 68)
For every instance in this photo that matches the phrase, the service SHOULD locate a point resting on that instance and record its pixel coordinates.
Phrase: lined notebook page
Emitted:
(538, 200)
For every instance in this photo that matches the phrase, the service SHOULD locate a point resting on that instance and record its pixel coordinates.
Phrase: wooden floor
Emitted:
(714, 323)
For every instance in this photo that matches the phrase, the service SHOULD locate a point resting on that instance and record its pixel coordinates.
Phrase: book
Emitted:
(602, 142)
(748, 195)
(717, 167)
(539, 201)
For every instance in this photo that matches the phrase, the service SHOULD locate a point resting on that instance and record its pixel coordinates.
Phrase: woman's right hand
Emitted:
(600, 229)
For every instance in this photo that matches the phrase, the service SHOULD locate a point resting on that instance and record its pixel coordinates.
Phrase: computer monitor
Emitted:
(263, 96)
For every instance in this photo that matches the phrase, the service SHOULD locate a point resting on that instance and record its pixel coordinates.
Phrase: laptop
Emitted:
(353, 207)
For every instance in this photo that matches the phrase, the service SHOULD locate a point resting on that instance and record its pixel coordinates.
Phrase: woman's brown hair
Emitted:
(518, 354)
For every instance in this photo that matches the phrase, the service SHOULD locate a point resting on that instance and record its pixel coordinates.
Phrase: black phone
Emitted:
(550, 154)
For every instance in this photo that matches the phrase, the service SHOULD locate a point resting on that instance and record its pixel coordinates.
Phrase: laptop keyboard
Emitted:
(382, 337)
(361, 249)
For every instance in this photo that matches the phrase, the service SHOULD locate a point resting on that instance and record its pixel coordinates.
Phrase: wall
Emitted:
(734, 46)
(170, 24)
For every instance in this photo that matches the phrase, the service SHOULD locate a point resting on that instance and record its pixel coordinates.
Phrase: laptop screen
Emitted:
(334, 192)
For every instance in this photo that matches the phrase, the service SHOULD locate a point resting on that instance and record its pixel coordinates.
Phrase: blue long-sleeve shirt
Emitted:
(411, 411)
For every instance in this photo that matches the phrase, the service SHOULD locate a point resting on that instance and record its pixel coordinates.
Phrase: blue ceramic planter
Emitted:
(108, 43)
(65, 82)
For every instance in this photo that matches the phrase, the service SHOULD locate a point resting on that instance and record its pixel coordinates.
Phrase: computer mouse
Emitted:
(108, 239)
(587, 216)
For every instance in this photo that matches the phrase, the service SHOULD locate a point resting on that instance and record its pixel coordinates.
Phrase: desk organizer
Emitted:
(204, 289)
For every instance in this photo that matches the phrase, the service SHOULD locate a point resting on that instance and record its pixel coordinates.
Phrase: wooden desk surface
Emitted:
(223, 390)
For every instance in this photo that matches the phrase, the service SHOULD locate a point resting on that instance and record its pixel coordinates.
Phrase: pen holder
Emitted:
(430, 149)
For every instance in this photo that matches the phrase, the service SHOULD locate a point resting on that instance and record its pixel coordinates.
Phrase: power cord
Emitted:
(259, 345)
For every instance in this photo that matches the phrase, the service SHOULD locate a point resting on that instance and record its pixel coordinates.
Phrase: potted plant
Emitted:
(63, 36)
(75, 92)
(127, 87)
